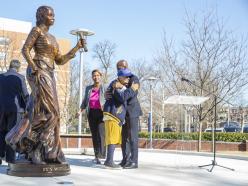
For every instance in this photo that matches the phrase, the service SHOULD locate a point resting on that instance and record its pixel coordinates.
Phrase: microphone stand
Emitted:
(214, 162)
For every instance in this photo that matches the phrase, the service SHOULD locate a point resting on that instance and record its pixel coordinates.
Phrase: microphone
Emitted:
(184, 79)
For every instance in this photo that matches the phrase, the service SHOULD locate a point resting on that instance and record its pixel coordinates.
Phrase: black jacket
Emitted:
(117, 104)
(133, 105)
(13, 92)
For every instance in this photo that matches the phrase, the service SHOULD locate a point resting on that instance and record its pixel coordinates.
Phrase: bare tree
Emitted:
(104, 52)
(211, 57)
(143, 70)
(71, 104)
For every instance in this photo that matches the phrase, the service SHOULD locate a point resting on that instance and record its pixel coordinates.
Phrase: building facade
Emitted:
(237, 114)
(13, 34)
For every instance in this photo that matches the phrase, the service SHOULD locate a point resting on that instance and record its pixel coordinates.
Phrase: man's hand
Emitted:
(107, 95)
(135, 86)
(117, 85)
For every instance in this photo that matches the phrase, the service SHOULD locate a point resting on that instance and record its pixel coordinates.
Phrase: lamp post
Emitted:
(241, 110)
(228, 115)
(163, 118)
(151, 80)
(82, 33)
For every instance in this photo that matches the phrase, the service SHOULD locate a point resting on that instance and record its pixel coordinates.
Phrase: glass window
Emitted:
(2, 55)
(4, 41)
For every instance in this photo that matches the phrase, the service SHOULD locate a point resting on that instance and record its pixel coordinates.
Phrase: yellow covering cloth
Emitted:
(112, 129)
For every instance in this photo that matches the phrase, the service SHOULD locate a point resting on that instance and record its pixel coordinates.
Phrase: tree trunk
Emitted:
(200, 135)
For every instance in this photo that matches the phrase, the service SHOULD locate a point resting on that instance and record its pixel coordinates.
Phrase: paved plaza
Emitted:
(156, 167)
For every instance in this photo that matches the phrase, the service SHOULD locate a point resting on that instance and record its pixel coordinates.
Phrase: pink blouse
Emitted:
(94, 101)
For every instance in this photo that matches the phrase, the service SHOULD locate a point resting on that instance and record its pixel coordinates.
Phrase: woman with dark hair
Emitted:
(93, 104)
(45, 123)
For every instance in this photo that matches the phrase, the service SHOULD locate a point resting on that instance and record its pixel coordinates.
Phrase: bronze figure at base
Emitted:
(37, 136)
(26, 169)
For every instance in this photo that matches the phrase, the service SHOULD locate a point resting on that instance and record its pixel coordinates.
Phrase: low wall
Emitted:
(71, 141)
(206, 146)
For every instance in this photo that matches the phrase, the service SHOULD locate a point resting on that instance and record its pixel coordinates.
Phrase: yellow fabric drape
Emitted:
(112, 129)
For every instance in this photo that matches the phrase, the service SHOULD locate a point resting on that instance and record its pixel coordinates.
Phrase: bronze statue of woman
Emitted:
(45, 123)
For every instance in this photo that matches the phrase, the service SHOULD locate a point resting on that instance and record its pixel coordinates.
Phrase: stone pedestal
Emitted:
(27, 169)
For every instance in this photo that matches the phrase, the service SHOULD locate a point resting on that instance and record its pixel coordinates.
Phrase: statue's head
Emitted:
(45, 15)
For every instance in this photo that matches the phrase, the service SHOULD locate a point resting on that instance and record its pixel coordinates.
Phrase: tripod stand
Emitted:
(214, 163)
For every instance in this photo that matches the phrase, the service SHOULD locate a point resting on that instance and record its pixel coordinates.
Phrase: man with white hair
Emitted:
(130, 129)
(13, 99)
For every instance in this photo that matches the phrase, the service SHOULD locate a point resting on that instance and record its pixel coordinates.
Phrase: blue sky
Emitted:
(136, 26)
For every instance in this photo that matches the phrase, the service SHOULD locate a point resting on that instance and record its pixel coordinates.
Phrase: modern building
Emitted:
(13, 34)
(238, 114)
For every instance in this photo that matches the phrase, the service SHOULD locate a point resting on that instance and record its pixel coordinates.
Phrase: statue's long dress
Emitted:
(45, 125)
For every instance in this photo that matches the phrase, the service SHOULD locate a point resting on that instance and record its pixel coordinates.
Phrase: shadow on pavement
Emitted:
(87, 162)
(3, 169)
